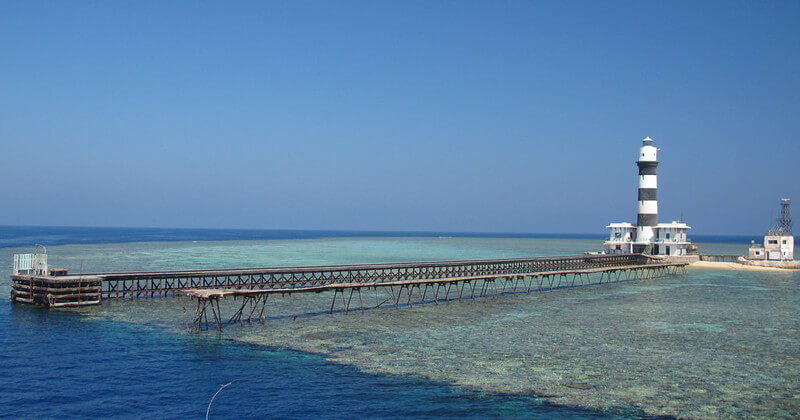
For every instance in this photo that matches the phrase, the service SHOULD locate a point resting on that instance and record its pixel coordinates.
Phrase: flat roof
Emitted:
(620, 225)
(674, 224)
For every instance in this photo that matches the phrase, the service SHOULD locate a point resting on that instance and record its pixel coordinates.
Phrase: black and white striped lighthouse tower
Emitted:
(648, 203)
(647, 236)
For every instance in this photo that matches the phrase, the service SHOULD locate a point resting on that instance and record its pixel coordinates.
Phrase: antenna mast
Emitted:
(784, 227)
(785, 221)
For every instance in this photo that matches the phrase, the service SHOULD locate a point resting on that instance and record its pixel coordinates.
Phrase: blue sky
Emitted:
(377, 115)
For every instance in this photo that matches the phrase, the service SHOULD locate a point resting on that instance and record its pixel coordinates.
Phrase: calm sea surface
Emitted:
(707, 344)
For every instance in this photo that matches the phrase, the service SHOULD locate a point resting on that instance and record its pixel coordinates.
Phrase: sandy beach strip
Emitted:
(733, 266)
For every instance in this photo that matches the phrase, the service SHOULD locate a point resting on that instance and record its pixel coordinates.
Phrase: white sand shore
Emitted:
(732, 266)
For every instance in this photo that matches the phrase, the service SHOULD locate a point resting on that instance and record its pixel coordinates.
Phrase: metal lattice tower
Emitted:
(785, 221)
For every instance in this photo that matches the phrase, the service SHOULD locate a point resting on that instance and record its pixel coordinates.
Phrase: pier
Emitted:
(437, 280)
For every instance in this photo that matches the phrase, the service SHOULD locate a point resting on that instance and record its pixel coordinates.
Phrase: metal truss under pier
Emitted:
(78, 290)
(254, 301)
(91, 289)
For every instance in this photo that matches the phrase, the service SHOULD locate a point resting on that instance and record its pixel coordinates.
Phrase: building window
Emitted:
(784, 241)
(758, 252)
(617, 235)
(619, 246)
(667, 235)
(772, 241)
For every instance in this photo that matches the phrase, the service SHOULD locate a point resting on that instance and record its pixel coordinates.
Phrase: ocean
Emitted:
(707, 344)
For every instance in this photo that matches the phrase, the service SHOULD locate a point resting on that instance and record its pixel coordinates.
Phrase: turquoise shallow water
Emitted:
(708, 344)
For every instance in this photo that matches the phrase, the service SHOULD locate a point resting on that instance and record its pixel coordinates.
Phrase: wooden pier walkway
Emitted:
(91, 288)
(254, 301)
(254, 285)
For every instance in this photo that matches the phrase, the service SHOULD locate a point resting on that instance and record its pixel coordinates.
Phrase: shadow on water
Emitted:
(67, 365)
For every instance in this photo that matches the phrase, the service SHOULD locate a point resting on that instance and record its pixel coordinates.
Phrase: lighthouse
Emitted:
(647, 218)
(647, 235)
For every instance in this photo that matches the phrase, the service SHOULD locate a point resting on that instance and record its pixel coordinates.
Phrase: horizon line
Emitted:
(350, 230)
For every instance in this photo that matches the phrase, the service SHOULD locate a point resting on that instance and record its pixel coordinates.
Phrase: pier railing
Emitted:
(91, 288)
(163, 283)
(252, 302)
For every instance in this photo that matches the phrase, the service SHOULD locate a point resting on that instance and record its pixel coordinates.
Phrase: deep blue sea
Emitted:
(510, 357)
(55, 364)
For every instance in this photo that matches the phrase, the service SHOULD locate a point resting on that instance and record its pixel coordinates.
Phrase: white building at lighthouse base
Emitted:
(668, 239)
